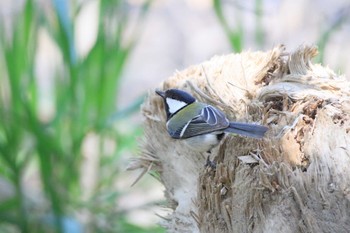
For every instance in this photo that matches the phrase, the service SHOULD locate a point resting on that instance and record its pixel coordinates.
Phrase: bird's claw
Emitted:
(209, 163)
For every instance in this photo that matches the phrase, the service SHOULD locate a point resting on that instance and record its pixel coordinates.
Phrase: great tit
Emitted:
(201, 125)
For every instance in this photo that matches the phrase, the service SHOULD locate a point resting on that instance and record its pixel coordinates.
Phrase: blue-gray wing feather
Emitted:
(209, 120)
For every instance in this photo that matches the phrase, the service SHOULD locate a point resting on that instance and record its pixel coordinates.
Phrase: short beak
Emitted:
(161, 93)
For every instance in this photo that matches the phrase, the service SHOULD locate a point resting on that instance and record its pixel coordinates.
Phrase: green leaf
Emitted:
(235, 36)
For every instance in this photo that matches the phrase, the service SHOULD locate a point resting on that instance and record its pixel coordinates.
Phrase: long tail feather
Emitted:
(245, 129)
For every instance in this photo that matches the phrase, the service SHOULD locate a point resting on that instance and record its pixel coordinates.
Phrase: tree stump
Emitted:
(296, 179)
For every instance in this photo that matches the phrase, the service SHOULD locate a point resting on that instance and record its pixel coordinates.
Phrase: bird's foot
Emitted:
(209, 163)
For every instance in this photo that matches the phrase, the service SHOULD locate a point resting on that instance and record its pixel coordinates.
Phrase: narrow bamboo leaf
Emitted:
(66, 29)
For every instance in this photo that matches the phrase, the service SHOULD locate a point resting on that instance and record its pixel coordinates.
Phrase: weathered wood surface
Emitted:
(301, 180)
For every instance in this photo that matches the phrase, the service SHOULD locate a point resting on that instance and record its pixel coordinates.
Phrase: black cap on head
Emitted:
(180, 95)
(174, 100)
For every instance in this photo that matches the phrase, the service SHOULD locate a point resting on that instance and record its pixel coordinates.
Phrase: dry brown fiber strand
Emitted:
(297, 179)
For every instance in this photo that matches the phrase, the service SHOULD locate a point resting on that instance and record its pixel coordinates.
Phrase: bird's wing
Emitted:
(209, 120)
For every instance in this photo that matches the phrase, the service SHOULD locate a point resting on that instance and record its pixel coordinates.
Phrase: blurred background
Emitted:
(74, 73)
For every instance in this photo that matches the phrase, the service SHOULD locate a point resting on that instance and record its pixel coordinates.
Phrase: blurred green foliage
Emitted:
(84, 100)
(235, 35)
(230, 17)
(330, 28)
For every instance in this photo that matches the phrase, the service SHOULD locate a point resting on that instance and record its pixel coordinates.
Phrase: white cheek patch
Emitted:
(174, 105)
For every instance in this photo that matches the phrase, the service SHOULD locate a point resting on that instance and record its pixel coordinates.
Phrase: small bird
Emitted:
(201, 125)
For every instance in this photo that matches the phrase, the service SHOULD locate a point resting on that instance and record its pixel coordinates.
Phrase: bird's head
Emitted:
(175, 100)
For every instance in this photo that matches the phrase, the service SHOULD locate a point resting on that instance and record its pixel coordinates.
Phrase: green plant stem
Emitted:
(22, 210)
(235, 36)
(45, 152)
(259, 32)
(323, 40)
(8, 155)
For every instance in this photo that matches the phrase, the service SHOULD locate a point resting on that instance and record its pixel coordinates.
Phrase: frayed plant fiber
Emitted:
(300, 181)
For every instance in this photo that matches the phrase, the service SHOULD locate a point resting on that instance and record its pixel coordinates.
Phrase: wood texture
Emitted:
(301, 180)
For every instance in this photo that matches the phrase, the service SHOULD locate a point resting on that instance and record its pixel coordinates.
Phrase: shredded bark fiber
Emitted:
(297, 179)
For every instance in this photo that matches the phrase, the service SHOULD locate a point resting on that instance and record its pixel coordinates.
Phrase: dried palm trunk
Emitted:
(297, 179)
